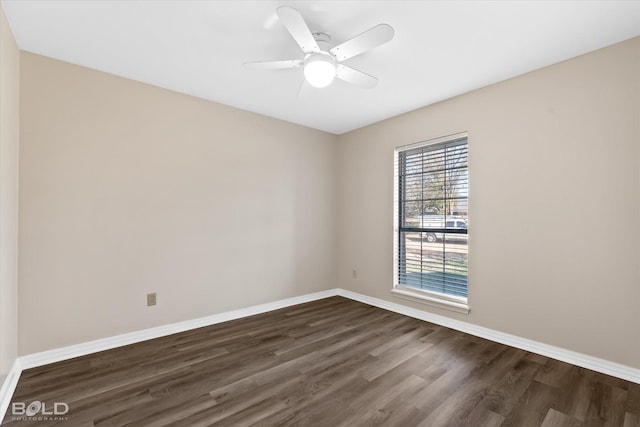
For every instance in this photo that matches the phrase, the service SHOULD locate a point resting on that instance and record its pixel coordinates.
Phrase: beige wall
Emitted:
(127, 189)
(554, 210)
(9, 137)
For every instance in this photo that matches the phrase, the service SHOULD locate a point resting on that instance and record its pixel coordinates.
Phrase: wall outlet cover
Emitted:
(151, 299)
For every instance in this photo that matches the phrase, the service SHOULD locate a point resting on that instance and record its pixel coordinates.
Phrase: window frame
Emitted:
(441, 300)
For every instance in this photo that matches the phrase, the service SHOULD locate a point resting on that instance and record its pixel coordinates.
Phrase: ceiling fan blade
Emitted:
(353, 76)
(305, 89)
(294, 23)
(275, 65)
(363, 42)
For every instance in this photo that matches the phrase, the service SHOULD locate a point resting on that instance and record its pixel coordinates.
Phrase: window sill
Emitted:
(430, 299)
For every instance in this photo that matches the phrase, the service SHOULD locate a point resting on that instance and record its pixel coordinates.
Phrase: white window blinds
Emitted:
(433, 222)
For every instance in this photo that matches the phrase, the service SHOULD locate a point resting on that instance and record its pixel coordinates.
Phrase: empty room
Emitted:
(319, 213)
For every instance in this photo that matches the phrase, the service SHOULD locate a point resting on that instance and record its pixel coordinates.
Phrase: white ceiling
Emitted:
(440, 49)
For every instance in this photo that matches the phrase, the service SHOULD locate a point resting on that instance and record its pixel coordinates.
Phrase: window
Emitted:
(432, 222)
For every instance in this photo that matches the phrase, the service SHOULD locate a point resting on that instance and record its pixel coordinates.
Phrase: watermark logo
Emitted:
(39, 411)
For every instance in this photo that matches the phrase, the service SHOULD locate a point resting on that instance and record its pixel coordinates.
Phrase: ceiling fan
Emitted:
(321, 63)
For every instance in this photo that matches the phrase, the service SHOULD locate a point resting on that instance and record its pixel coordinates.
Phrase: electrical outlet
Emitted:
(151, 299)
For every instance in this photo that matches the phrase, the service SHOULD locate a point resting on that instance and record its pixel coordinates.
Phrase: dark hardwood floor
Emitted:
(333, 362)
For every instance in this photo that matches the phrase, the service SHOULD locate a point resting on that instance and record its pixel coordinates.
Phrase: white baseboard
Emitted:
(9, 386)
(579, 359)
(59, 354)
(56, 355)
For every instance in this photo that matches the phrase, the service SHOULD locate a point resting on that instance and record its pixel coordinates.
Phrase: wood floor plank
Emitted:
(325, 407)
(558, 419)
(503, 396)
(533, 406)
(481, 416)
(631, 420)
(373, 407)
(632, 405)
(331, 362)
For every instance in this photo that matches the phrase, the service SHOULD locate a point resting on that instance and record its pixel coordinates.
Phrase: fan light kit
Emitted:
(319, 69)
(321, 65)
